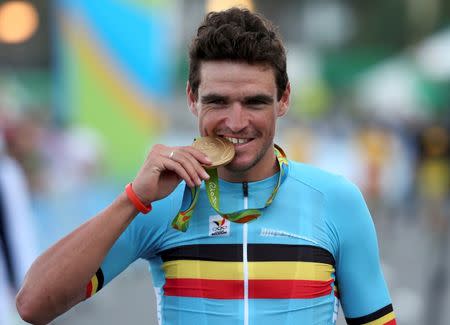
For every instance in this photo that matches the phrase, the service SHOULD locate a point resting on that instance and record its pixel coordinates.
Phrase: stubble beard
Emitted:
(246, 168)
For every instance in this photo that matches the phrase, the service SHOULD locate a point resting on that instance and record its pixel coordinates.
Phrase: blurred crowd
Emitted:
(39, 164)
(404, 169)
(52, 158)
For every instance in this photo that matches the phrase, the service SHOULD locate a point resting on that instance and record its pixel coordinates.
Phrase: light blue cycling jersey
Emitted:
(314, 246)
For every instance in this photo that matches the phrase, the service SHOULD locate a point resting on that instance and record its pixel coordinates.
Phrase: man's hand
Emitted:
(165, 167)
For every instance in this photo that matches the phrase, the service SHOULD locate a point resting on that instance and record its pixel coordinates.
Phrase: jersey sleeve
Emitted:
(141, 239)
(360, 282)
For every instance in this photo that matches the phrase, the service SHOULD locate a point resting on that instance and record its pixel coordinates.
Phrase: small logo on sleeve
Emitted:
(218, 226)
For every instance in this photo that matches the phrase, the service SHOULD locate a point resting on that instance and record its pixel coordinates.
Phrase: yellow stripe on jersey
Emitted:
(192, 269)
(383, 320)
(94, 282)
(290, 270)
(195, 269)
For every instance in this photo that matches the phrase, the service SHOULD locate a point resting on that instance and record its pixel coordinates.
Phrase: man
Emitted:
(314, 241)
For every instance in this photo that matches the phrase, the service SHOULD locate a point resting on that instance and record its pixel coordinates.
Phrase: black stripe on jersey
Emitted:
(213, 252)
(279, 252)
(371, 317)
(255, 253)
(100, 279)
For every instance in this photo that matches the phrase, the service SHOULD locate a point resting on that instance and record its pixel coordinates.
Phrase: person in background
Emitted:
(433, 179)
(18, 246)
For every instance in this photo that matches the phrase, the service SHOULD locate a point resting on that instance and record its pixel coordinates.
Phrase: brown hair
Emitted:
(238, 35)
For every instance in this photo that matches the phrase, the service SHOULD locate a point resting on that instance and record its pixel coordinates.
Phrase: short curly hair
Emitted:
(238, 35)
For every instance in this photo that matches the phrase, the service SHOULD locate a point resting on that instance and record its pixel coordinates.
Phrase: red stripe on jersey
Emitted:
(285, 289)
(205, 288)
(234, 289)
(89, 289)
(391, 322)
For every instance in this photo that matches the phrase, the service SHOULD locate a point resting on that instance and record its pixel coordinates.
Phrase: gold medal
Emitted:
(220, 151)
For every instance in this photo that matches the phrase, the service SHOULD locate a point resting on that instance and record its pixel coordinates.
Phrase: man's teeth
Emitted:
(237, 141)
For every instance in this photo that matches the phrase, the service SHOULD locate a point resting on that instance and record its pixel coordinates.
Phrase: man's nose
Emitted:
(237, 118)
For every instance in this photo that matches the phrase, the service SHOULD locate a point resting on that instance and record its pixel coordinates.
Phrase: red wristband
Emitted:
(141, 207)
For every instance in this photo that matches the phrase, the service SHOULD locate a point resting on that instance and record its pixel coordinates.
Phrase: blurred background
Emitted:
(86, 87)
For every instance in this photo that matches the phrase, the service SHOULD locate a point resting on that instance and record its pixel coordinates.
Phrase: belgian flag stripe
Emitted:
(383, 316)
(255, 253)
(391, 322)
(204, 288)
(89, 289)
(288, 289)
(388, 319)
(100, 279)
(257, 289)
(214, 270)
(95, 284)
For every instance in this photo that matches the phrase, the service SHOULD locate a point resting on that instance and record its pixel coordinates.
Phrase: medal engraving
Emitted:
(219, 151)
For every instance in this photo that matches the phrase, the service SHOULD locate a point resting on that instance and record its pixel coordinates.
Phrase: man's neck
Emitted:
(265, 168)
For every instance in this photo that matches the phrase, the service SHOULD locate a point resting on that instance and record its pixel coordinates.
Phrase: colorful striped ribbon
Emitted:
(181, 220)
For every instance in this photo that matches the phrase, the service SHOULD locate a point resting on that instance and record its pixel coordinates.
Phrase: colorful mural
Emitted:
(113, 68)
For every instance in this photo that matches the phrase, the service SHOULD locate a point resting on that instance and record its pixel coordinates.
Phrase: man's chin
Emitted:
(239, 167)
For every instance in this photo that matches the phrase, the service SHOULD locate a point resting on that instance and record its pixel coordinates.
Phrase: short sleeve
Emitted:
(362, 289)
(142, 237)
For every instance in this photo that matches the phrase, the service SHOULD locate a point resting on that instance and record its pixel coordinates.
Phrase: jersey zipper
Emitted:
(244, 254)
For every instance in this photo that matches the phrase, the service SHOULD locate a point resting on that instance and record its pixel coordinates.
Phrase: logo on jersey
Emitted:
(218, 226)
(267, 232)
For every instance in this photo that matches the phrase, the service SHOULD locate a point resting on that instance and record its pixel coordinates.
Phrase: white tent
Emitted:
(394, 89)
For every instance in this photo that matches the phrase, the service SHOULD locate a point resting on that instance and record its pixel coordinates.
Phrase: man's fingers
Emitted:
(198, 155)
(200, 170)
(191, 164)
(177, 168)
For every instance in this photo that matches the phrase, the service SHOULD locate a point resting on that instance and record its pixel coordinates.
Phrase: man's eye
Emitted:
(216, 103)
(256, 103)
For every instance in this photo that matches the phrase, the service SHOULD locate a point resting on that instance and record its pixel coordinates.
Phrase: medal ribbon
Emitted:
(181, 220)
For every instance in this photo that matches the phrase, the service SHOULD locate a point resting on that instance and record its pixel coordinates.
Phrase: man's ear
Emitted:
(284, 101)
(191, 99)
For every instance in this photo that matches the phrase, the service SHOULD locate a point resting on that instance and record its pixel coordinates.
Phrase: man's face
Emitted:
(238, 101)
